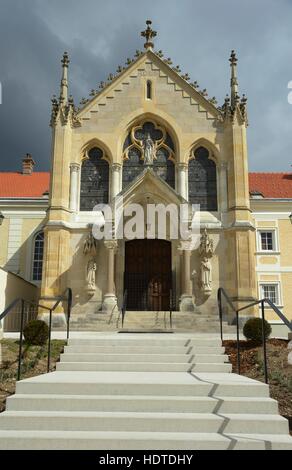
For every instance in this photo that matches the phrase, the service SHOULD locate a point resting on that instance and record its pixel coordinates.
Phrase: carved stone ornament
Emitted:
(206, 246)
(149, 150)
(91, 275)
(206, 251)
(206, 275)
(90, 245)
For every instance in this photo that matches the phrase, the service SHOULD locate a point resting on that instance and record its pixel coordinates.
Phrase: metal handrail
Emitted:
(170, 308)
(67, 296)
(221, 292)
(124, 306)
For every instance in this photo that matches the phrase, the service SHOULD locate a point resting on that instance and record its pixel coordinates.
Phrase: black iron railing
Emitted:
(25, 308)
(124, 306)
(171, 306)
(222, 294)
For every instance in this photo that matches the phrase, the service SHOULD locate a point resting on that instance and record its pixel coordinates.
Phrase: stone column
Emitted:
(109, 299)
(74, 184)
(115, 181)
(223, 195)
(182, 175)
(186, 300)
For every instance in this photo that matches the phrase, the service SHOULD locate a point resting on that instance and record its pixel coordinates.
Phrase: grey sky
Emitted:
(99, 35)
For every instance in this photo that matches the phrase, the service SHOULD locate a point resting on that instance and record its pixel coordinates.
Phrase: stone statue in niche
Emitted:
(206, 251)
(206, 245)
(90, 245)
(206, 275)
(149, 150)
(91, 275)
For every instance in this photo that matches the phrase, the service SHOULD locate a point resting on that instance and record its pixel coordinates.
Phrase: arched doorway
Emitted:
(148, 274)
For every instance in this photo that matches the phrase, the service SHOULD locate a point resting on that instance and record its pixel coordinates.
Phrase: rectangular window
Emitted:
(267, 240)
(271, 292)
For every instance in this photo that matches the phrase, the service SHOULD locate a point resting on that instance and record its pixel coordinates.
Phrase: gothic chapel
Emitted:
(150, 135)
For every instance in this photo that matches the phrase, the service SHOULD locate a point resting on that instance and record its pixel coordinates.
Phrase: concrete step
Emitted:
(109, 421)
(84, 440)
(142, 422)
(127, 340)
(143, 366)
(121, 349)
(150, 357)
(142, 403)
(139, 383)
(255, 423)
(137, 403)
(246, 405)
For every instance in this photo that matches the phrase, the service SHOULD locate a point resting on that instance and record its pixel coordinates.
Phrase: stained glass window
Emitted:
(94, 186)
(162, 165)
(203, 180)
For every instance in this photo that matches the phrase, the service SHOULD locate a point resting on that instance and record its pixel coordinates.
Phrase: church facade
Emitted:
(148, 136)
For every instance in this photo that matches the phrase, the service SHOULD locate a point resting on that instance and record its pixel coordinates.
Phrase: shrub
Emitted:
(252, 330)
(36, 332)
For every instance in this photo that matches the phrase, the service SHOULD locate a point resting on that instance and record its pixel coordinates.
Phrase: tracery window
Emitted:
(202, 180)
(38, 253)
(94, 187)
(134, 153)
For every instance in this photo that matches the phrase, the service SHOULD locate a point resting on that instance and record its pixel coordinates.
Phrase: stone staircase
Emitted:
(150, 321)
(143, 391)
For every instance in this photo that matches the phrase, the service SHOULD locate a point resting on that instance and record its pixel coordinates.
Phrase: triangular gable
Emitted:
(162, 189)
(123, 79)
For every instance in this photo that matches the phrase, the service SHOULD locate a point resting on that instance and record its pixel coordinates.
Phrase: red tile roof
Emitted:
(19, 185)
(271, 185)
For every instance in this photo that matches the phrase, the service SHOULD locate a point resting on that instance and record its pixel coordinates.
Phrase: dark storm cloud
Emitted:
(100, 35)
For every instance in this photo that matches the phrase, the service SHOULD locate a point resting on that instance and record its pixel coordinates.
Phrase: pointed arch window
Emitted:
(202, 180)
(163, 162)
(38, 253)
(94, 185)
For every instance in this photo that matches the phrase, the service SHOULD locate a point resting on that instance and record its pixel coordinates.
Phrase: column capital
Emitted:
(116, 167)
(74, 166)
(223, 165)
(186, 246)
(111, 245)
(182, 166)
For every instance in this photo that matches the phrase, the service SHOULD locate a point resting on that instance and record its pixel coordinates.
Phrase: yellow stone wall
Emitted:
(29, 225)
(4, 233)
(275, 267)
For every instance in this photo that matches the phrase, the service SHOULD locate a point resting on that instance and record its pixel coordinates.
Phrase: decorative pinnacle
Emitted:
(149, 34)
(64, 80)
(233, 80)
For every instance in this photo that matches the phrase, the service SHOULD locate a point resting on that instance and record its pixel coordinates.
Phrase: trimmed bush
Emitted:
(36, 332)
(252, 330)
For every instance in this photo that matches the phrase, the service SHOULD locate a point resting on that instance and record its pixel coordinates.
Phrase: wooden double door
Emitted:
(148, 274)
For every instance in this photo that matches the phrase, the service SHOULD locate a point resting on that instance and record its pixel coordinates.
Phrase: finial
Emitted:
(65, 60)
(186, 77)
(177, 69)
(233, 58)
(149, 34)
(233, 80)
(64, 81)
